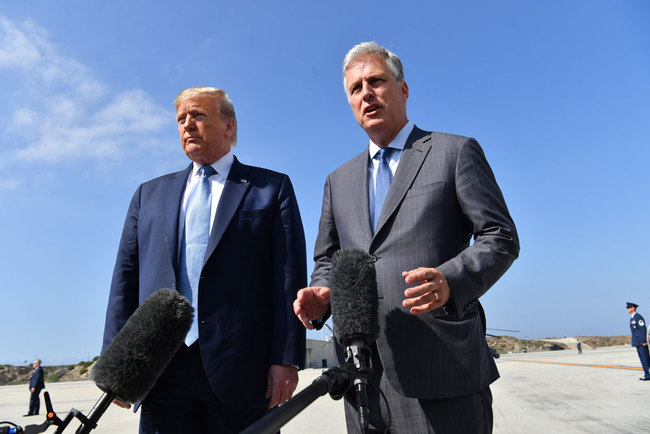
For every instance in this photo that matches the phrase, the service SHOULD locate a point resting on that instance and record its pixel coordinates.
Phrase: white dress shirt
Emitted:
(217, 182)
(397, 144)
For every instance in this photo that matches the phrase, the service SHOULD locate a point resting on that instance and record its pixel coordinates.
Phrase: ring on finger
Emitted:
(436, 294)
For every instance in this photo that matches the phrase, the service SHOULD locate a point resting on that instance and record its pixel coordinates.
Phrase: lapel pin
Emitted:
(243, 181)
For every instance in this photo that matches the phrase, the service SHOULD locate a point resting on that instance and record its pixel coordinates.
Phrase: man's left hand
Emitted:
(432, 290)
(281, 382)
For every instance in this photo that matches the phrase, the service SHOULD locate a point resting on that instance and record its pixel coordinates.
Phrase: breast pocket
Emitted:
(420, 190)
(254, 223)
(253, 213)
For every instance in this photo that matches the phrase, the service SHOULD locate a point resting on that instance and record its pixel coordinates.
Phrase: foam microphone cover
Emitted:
(140, 352)
(353, 297)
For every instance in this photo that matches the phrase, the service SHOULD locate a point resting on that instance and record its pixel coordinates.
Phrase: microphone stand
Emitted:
(87, 423)
(334, 381)
(90, 423)
(359, 355)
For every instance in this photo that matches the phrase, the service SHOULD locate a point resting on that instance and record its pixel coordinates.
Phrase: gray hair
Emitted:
(373, 48)
(224, 104)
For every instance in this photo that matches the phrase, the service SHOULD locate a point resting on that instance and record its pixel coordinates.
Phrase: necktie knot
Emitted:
(384, 154)
(206, 171)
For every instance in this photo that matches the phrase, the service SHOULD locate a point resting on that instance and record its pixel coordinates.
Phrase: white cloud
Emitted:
(16, 49)
(61, 112)
(26, 48)
(69, 133)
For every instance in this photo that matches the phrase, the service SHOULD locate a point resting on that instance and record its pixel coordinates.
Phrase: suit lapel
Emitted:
(171, 210)
(415, 151)
(359, 192)
(235, 188)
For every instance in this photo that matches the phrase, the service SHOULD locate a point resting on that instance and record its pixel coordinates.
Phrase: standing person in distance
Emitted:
(639, 338)
(414, 199)
(36, 384)
(229, 237)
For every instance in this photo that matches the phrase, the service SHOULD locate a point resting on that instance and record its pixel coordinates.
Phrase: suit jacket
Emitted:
(37, 381)
(443, 194)
(254, 265)
(638, 329)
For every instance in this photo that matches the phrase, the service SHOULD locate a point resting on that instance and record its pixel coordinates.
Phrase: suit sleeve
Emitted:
(290, 274)
(642, 329)
(123, 297)
(327, 243)
(496, 244)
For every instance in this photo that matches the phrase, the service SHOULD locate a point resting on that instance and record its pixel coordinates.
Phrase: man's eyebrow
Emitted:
(352, 84)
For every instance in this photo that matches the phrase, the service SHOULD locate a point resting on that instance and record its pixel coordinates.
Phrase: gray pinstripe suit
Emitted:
(443, 194)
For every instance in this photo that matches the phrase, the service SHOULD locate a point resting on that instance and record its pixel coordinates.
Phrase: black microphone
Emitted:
(355, 306)
(353, 297)
(140, 352)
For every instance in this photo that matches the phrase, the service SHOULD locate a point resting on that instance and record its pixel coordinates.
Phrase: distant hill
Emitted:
(505, 344)
(10, 374)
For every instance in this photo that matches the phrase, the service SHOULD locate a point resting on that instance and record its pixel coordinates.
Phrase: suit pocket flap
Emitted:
(419, 190)
(252, 213)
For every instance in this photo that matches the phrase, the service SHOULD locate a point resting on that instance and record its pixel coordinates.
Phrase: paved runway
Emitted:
(547, 392)
(564, 392)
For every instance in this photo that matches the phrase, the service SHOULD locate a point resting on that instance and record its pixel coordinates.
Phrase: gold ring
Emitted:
(436, 294)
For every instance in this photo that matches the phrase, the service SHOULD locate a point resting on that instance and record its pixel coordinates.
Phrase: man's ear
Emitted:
(405, 90)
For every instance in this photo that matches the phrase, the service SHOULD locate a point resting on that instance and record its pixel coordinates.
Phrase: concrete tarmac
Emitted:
(557, 392)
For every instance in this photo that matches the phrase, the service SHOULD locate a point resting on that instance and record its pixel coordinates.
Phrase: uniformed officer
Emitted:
(639, 338)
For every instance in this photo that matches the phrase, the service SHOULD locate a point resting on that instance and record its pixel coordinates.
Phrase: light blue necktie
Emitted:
(382, 184)
(193, 245)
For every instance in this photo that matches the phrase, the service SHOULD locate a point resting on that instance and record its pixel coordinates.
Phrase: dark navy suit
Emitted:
(37, 383)
(254, 265)
(639, 332)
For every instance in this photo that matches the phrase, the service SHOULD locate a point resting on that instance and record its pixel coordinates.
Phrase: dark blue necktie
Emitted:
(382, 184)
(193, 245)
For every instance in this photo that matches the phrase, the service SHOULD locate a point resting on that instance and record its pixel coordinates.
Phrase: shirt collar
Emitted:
(222, 165)
(398, 142)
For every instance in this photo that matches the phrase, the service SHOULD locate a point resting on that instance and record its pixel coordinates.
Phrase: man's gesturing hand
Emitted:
(431, 291)
(311, 303)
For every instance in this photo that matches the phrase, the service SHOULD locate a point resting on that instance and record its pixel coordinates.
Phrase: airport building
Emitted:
(320, 354)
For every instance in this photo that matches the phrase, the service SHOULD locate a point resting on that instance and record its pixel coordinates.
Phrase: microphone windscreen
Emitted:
(353, 297)
(142, 349)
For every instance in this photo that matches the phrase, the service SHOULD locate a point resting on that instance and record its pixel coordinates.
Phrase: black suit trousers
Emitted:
(34, 402)
(182, 401)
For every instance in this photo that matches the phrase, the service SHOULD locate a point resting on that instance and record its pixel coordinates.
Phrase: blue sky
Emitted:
(556, 92)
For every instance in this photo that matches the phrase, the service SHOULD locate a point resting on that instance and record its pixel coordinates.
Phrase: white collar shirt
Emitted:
(217, 183)
(397, 144)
